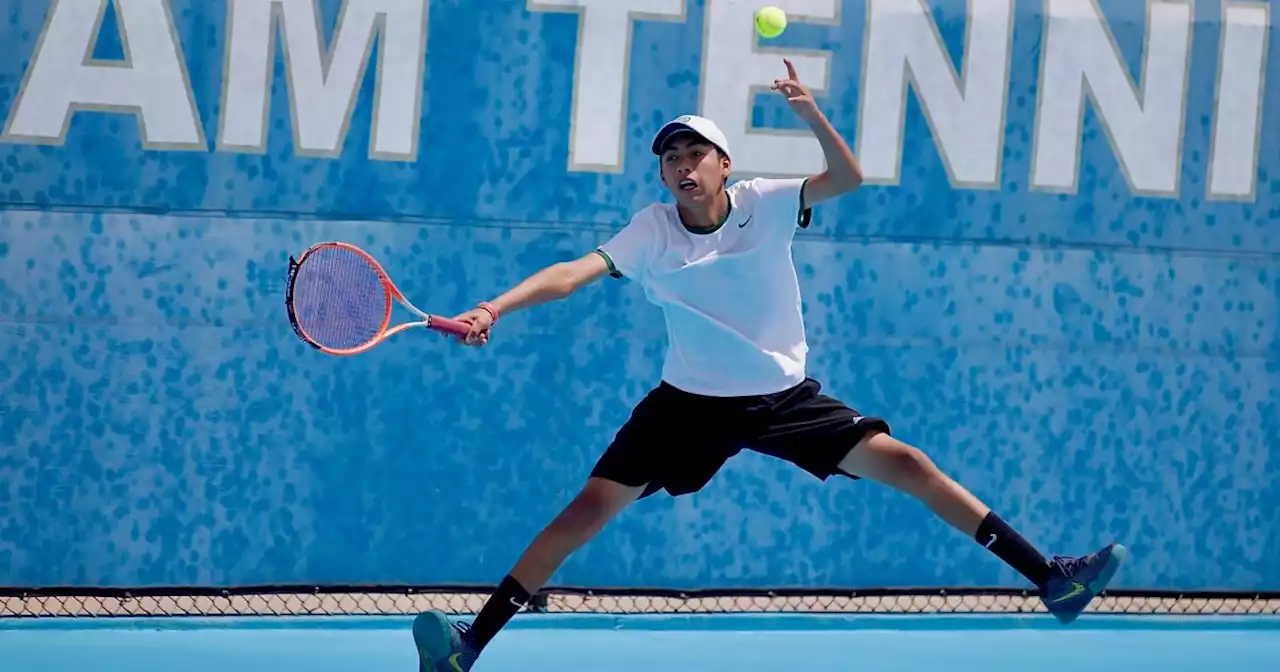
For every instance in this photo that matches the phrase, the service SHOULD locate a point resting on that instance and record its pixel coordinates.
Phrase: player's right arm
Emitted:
(625, 254)
(552, 283)
(555, 282)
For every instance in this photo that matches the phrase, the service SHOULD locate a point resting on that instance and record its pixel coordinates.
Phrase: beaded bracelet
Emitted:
(488, 308)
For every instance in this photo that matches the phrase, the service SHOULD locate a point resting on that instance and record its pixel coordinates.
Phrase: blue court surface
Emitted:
(738, 643)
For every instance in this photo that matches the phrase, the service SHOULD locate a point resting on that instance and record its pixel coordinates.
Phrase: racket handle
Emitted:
(449, 326)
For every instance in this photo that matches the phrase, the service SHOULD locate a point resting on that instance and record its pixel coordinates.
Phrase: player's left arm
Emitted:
(843, 173)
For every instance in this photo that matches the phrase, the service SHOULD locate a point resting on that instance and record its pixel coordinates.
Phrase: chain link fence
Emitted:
(17, 603)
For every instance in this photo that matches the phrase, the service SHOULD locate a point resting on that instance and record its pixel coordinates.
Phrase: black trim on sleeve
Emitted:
(804, 216)
(613, 270)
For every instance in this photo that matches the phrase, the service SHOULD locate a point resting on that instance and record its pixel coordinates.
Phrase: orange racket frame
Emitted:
(385, 331)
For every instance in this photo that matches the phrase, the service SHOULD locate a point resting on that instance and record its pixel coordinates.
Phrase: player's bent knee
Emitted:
(589, 506)
(914, 467)
(596, 504)
(883, 458)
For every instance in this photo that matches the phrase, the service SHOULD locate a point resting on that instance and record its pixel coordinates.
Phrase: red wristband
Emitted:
(488, 308)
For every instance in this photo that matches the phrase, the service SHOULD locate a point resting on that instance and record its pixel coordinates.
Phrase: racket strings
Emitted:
(340, 300)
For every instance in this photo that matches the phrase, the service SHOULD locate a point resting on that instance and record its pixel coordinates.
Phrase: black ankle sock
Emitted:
(1008, 545)
(508, 599)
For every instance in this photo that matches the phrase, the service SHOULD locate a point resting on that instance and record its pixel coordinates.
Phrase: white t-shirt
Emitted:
(731, 297)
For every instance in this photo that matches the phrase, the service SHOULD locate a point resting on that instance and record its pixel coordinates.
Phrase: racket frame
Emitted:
(391, 291)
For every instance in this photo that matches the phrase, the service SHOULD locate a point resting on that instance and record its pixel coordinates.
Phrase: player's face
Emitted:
(693, 170)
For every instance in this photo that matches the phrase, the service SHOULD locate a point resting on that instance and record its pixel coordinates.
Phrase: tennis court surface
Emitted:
(1167, 636)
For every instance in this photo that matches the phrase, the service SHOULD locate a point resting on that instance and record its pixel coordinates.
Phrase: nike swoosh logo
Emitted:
(1077, 589)
(745, 223)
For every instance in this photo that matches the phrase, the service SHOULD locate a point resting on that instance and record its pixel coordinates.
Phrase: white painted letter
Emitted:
(734, 69)
(1237, 127)
(1144, 124)
(597, 127)
(323, 85)
(151, 82)
(966, 113)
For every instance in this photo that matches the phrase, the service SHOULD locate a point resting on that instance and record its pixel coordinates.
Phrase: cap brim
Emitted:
(671, 130)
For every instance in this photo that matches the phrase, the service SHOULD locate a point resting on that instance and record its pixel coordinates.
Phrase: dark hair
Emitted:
(701, 139)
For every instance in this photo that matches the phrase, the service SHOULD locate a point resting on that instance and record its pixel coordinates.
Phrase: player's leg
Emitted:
(880, 457)
(598, 503)
(826, 437)
(1067, 585)
(453, 647)
(623, 473)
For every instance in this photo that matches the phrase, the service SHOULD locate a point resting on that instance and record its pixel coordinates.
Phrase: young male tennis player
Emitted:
(718, 262)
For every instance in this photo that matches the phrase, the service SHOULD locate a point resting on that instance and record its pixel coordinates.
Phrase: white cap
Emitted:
(699, 125)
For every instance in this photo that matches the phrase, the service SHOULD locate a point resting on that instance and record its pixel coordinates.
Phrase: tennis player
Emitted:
(718, 262)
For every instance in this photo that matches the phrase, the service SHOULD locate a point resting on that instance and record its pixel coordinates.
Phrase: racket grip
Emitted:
(449, 326)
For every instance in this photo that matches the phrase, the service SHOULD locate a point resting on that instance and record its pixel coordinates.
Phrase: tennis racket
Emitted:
(339, 301)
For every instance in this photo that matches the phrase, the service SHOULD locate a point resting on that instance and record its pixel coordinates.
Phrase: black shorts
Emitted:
(677, 441)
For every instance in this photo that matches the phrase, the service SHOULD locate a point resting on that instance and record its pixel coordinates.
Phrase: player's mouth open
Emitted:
(688, 185)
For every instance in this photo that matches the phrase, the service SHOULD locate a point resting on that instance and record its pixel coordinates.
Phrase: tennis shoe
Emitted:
(1074, 582)
(443, 645)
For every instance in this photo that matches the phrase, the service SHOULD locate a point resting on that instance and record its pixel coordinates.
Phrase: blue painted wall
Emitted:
(1095, 365)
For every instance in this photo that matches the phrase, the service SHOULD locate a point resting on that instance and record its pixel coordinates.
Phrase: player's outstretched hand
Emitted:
(798, 95)
(481, 321)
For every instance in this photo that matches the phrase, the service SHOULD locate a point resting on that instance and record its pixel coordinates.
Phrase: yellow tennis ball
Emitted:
(771, 21)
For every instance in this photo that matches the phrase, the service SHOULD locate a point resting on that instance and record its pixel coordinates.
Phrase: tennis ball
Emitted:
(771, 21)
